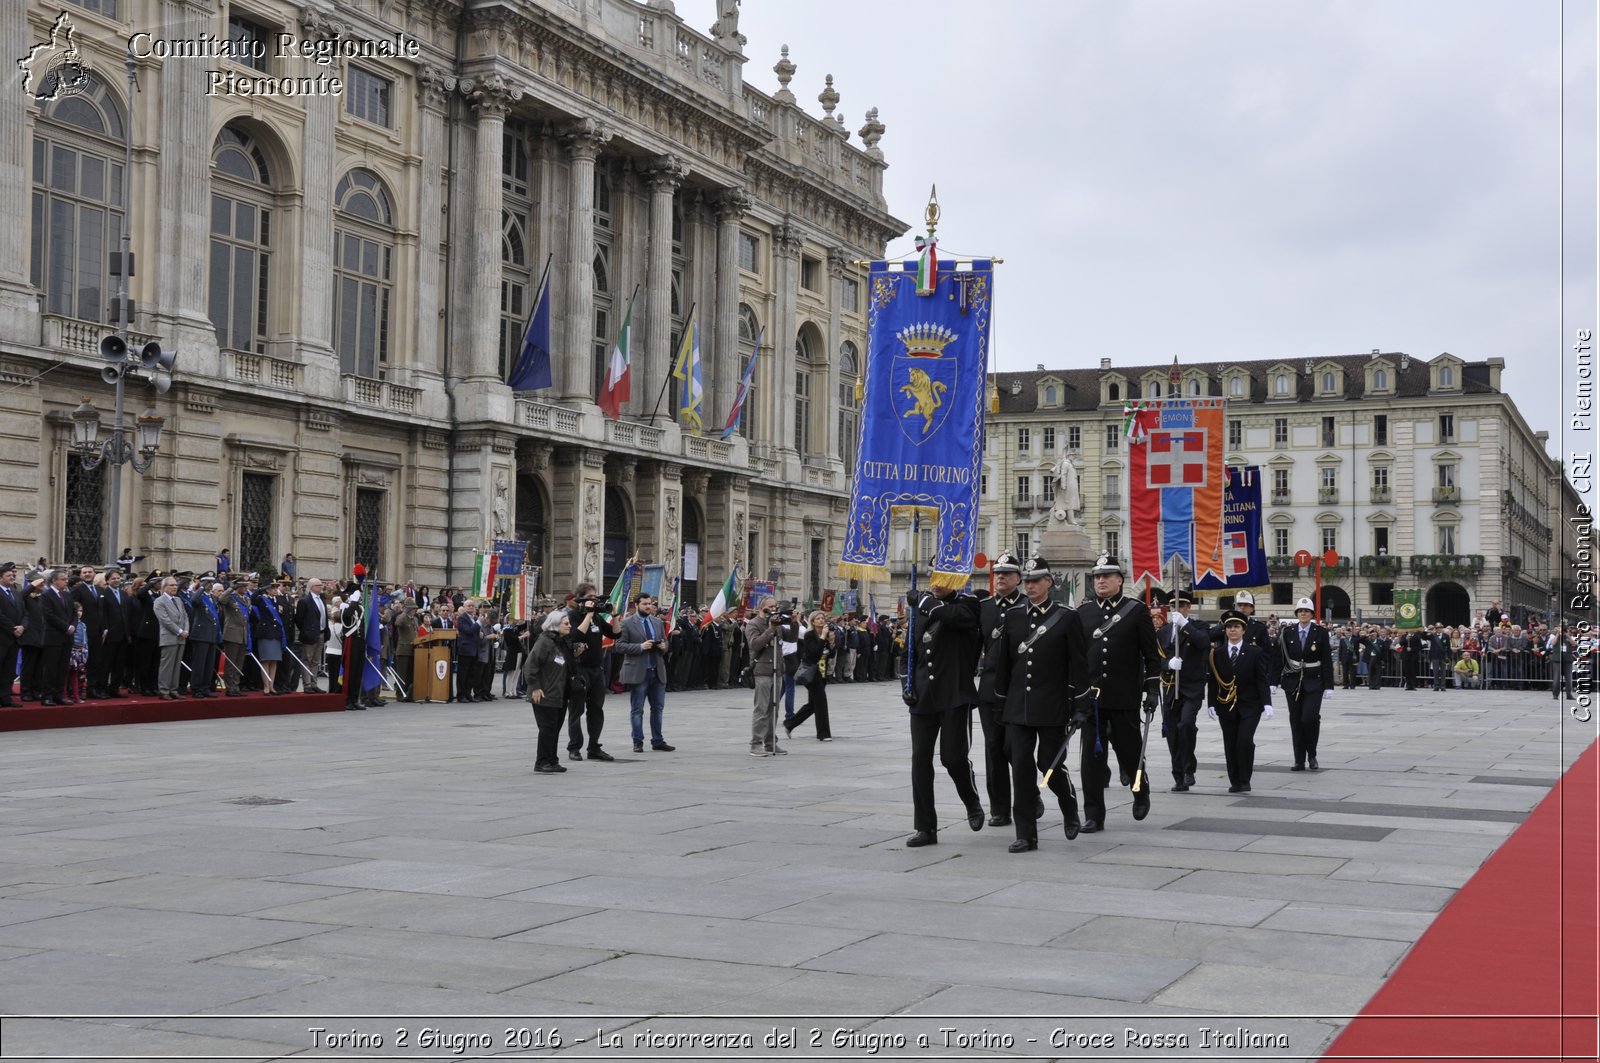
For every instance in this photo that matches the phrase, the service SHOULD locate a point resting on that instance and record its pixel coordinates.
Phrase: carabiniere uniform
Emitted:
(996, 754)
(1038, 676)
(1124, 663)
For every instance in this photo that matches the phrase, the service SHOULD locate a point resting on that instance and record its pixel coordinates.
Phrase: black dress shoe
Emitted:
(1070, 824)
(573, 754)
(662, 747)
(1236, 789)
(922, 837)
(638, 747)
(1023, 845)
(1141, 801)
(600, 754)
(999, 820)
(1181, 788)
(355, 706)
(975, 817)
(1298, 767)
(1091, 826)
(1245, 788)
(1313, 764)
(1188, 778)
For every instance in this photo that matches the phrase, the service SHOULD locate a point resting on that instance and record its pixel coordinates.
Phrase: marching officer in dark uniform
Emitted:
(1240, 697)
(944, 659)
(1307, 676)
(1039, 672)
(1183, 644)
(996, 755)
(1124, 664)
(1256, 633)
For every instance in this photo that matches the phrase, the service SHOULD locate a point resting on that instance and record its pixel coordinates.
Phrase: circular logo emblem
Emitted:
(1408, 611)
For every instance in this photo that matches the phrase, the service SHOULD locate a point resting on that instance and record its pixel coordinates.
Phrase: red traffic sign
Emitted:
(1303, 558)
(980, 561)
(1330, 558)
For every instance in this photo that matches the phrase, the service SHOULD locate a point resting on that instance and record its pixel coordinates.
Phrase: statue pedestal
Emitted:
(1067, 548)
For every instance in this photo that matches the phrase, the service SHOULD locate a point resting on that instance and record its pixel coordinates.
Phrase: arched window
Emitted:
(1194, 387)
(241, 241)
(849, 406)
(1380, 380)
(1114, 392)
(802, 392)
(1154, 390)
(1330, 382)
(1447, 377)
(1050, 395)
(1280, 385)
(1236, 387)
(515, 297)
(78, 201)
(603, 303)
(749, 337)
(363, 242)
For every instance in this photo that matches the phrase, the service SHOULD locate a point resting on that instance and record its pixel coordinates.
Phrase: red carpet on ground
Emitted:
(30, 716)
(1508, 971)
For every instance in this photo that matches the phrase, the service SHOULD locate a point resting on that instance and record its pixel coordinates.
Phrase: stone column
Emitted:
(730, 207)
(663, 176)
(315, 327)
(435, 86)
(493, 96)
(19, 308)
(583, 138)
(786, 243)
(838, 262)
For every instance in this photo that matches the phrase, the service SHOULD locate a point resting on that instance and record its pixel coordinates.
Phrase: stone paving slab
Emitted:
(448, 880)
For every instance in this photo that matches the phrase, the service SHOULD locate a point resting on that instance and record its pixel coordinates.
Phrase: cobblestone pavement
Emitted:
(401, 880)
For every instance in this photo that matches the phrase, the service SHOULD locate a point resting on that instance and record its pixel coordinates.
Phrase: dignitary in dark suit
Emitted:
(943, 658)
(57, 612)
(1411, 649)
(117, 614)
(1307, 678)
(205, 635)
(31, 641)
(644, 671)
(1038, 675)
(311, 627)
(84, 593)
(996, 754)
(469, 642)
(13, 622)
(1183, 644)
(1240, 696)
(1124, 669)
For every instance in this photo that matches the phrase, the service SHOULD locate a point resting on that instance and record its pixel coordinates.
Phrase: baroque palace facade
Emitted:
(345, 278)
(1420, 473)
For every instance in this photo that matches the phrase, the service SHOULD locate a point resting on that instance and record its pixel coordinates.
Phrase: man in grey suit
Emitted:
(172, 619)
(644, 671)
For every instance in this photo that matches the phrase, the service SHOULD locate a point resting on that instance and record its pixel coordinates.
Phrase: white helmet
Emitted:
(1244, 598)
(1306, 604)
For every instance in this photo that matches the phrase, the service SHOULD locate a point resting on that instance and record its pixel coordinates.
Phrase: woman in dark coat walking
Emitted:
(547, 673)
(816, 645)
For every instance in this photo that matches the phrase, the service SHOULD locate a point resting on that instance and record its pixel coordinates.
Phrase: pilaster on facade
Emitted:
(583, 140)
(662, 176)
(730, 206)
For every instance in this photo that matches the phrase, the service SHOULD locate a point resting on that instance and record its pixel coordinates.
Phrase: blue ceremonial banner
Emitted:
(1240, 554)
(513, 555)
(922, 412)
(654, 577)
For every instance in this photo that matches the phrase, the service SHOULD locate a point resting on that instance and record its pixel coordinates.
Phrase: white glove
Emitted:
(1179, 620)
(1211, 711)
(1266, 713)
(1175, 664)
(1327, 696)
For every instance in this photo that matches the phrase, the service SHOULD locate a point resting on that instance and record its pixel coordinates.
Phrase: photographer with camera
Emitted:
(766, 632)
(592, 624)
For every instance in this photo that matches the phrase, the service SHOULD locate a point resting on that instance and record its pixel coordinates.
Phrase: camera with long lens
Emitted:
(600, 607)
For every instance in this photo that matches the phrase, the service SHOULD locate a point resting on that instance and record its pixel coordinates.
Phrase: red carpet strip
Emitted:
(1508, 971)
(31, 716)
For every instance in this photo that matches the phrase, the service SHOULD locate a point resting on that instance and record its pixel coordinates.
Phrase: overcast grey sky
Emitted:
(1230, 179)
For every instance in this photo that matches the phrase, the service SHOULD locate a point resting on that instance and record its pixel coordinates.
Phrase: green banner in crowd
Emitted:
(1408, 609)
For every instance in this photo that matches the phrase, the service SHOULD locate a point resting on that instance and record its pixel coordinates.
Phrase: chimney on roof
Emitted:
(1105, 363)
(1376, 352)
(1016, 387)
(1495, 366)
(1041, 367)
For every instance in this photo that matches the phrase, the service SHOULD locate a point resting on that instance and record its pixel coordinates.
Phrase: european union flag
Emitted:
(532, 370)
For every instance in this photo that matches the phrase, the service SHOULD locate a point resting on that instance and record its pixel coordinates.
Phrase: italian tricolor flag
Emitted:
(724, 599)
(618, 387)
(927, 266)
(483, 570)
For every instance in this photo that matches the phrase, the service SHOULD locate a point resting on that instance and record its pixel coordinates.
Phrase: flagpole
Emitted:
(628, 325)
(688, 323)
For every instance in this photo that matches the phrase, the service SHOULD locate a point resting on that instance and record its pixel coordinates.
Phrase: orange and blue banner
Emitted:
(1176, 482)
(1240, 551)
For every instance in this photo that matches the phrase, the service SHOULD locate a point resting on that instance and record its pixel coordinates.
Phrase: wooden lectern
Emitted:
(430, 667)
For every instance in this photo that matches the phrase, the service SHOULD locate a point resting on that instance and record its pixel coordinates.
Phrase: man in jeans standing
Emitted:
(765, 633)
(643, 642)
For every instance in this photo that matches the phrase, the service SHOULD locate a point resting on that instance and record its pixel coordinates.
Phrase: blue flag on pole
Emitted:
(1239, 554)
(687, 370)
(532, 369)
(922, 413)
